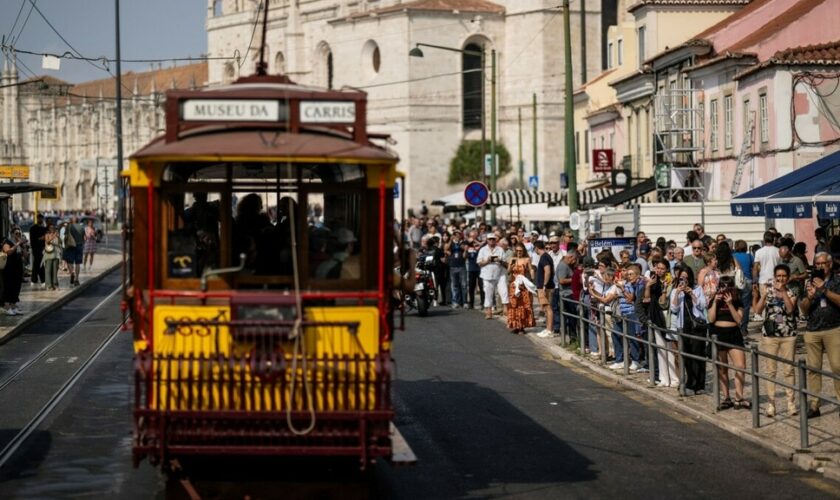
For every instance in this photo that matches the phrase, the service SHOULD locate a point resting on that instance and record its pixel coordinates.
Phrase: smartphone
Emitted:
(818, 273)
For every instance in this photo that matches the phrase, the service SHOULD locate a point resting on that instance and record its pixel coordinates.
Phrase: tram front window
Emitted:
(215, 213)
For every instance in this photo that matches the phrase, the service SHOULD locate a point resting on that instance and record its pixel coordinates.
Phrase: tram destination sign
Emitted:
(328, 112)
(244, 110)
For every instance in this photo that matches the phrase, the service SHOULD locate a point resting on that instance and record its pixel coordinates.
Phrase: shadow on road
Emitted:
(482, 445)
(28, 458)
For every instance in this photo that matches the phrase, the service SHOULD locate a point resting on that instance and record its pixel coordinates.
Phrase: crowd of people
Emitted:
(687, 292)
(51, 248)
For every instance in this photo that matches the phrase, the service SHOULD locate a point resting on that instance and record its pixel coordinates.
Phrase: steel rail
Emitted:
(9, 450)
(49, 347)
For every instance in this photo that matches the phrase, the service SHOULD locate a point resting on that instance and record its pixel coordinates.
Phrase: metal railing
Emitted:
(598, 317)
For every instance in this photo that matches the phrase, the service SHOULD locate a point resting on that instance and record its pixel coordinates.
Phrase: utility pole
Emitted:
(521, 163)
(483, 130)
(569, 125)
(534, 126)
(493, 165)
(582, 42)
(119, 114)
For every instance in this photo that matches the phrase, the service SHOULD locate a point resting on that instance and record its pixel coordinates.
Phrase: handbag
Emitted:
(69, 240)
(691, 323)
(49, 248)
(740, 279)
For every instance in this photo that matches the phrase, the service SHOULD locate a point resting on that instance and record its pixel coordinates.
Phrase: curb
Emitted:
(52, 306)
(800, 459)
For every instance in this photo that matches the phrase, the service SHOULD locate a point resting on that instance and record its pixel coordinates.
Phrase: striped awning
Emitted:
(524, 197)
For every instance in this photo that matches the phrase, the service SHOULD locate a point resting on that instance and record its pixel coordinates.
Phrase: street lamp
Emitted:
(417, 52)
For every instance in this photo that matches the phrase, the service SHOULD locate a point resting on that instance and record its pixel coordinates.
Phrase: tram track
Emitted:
(49, 347)
(48, 360)
(18, 439)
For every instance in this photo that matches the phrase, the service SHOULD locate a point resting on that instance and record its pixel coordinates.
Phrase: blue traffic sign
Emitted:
(476, 194)
(397, 190)
(534, 182)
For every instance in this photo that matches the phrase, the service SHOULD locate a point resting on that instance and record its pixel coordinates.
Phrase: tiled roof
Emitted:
(824, 54)
(437, 5)
(773, 26)
(49, 80)
(181, 77)
(598, 78)
(643, 3)
(729, 20)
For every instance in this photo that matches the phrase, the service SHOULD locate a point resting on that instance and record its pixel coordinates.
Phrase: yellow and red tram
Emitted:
(260, 241)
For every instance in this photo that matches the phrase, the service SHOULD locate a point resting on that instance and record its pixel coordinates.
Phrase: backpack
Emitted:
(69, 240)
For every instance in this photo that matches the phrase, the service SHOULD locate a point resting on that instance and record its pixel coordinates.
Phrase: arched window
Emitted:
(279, 63)
(329, 70)
(473, 88)
(217, 8)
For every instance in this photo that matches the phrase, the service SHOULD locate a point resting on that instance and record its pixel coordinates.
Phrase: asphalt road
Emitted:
(487, 414)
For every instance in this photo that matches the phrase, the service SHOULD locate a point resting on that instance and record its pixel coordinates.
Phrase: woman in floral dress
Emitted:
(520, 313)
(90, 245)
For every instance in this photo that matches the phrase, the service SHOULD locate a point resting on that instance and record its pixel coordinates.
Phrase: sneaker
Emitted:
(634, 367)
(17, 311)
(661, 383)
(11, 312)
(792, 410)
(595, 355)
(617, 365)
(643, 369)
(770, 411)
(675, 385)
(545, 334)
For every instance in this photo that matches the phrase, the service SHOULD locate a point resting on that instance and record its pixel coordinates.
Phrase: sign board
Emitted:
(614, 245)
(602, 160)
(49, 194)
(621, 179)
(476, 194)
(246, 110)
(14, 172)
(534, 182)
(397, 190)
(328, 112)
(488, 165)
(101, 163)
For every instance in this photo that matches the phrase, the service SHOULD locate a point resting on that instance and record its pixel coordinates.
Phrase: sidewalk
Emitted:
(36, 302)
(780, 434)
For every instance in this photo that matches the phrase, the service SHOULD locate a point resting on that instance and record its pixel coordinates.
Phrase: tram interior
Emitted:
(215, 212)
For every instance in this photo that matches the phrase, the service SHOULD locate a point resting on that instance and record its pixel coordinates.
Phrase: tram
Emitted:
(259, 240)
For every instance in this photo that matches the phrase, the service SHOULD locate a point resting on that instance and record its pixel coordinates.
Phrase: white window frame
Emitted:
(619, 47)
(640, 33)
(713, 124)
(609, 55)
(764, 118)
(728, 116)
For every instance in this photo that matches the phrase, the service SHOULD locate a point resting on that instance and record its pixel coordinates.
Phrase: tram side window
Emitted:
(194, 234)
(334, 223)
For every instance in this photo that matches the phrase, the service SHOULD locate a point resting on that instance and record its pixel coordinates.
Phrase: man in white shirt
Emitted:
(491, 260)
(766, 259)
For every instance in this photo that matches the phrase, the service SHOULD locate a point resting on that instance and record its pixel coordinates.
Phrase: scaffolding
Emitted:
(678, 131)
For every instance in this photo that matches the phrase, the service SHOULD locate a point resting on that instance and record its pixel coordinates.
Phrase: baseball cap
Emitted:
(491, 236)
(644, 248)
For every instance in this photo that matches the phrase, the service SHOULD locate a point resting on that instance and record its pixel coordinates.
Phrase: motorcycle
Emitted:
(425, 288)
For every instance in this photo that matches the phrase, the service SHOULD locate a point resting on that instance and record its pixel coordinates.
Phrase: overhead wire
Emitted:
(72, 56)
(17, 18)
(253, 32)
(22, 26)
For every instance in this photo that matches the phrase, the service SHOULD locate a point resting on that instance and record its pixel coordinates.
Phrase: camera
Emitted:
(818, 273)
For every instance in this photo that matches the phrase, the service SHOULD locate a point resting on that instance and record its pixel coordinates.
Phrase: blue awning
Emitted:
(828, 203)
(751, 203)
(797, 202)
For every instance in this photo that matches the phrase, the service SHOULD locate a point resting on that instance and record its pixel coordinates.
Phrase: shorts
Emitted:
(544, 296)
(74, 255)
(728, 335)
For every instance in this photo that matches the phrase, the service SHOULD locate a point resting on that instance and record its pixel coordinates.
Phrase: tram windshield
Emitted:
(215, 213)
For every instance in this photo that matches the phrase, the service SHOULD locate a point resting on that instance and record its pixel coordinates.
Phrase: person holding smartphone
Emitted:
(822, 305)
(778, 335)
(725, 315)
(493, 267)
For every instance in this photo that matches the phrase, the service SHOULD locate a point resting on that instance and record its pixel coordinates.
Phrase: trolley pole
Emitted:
(483, 130)
(521, 162)
(121, 213)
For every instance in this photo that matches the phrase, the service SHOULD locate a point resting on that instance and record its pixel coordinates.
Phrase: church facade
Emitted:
(427, 104)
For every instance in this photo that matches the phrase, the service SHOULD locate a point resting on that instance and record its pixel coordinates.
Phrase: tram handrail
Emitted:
(598, 320)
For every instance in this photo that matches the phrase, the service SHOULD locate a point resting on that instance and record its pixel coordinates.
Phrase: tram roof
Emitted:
(253, 142)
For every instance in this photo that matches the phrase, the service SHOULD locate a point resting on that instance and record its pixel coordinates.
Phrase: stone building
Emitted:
(62, 131)
(428, 105)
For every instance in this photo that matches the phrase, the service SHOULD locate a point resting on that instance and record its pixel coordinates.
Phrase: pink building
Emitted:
(769, 91)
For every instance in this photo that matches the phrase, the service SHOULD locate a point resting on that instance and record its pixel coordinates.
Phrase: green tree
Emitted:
(468, 165)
